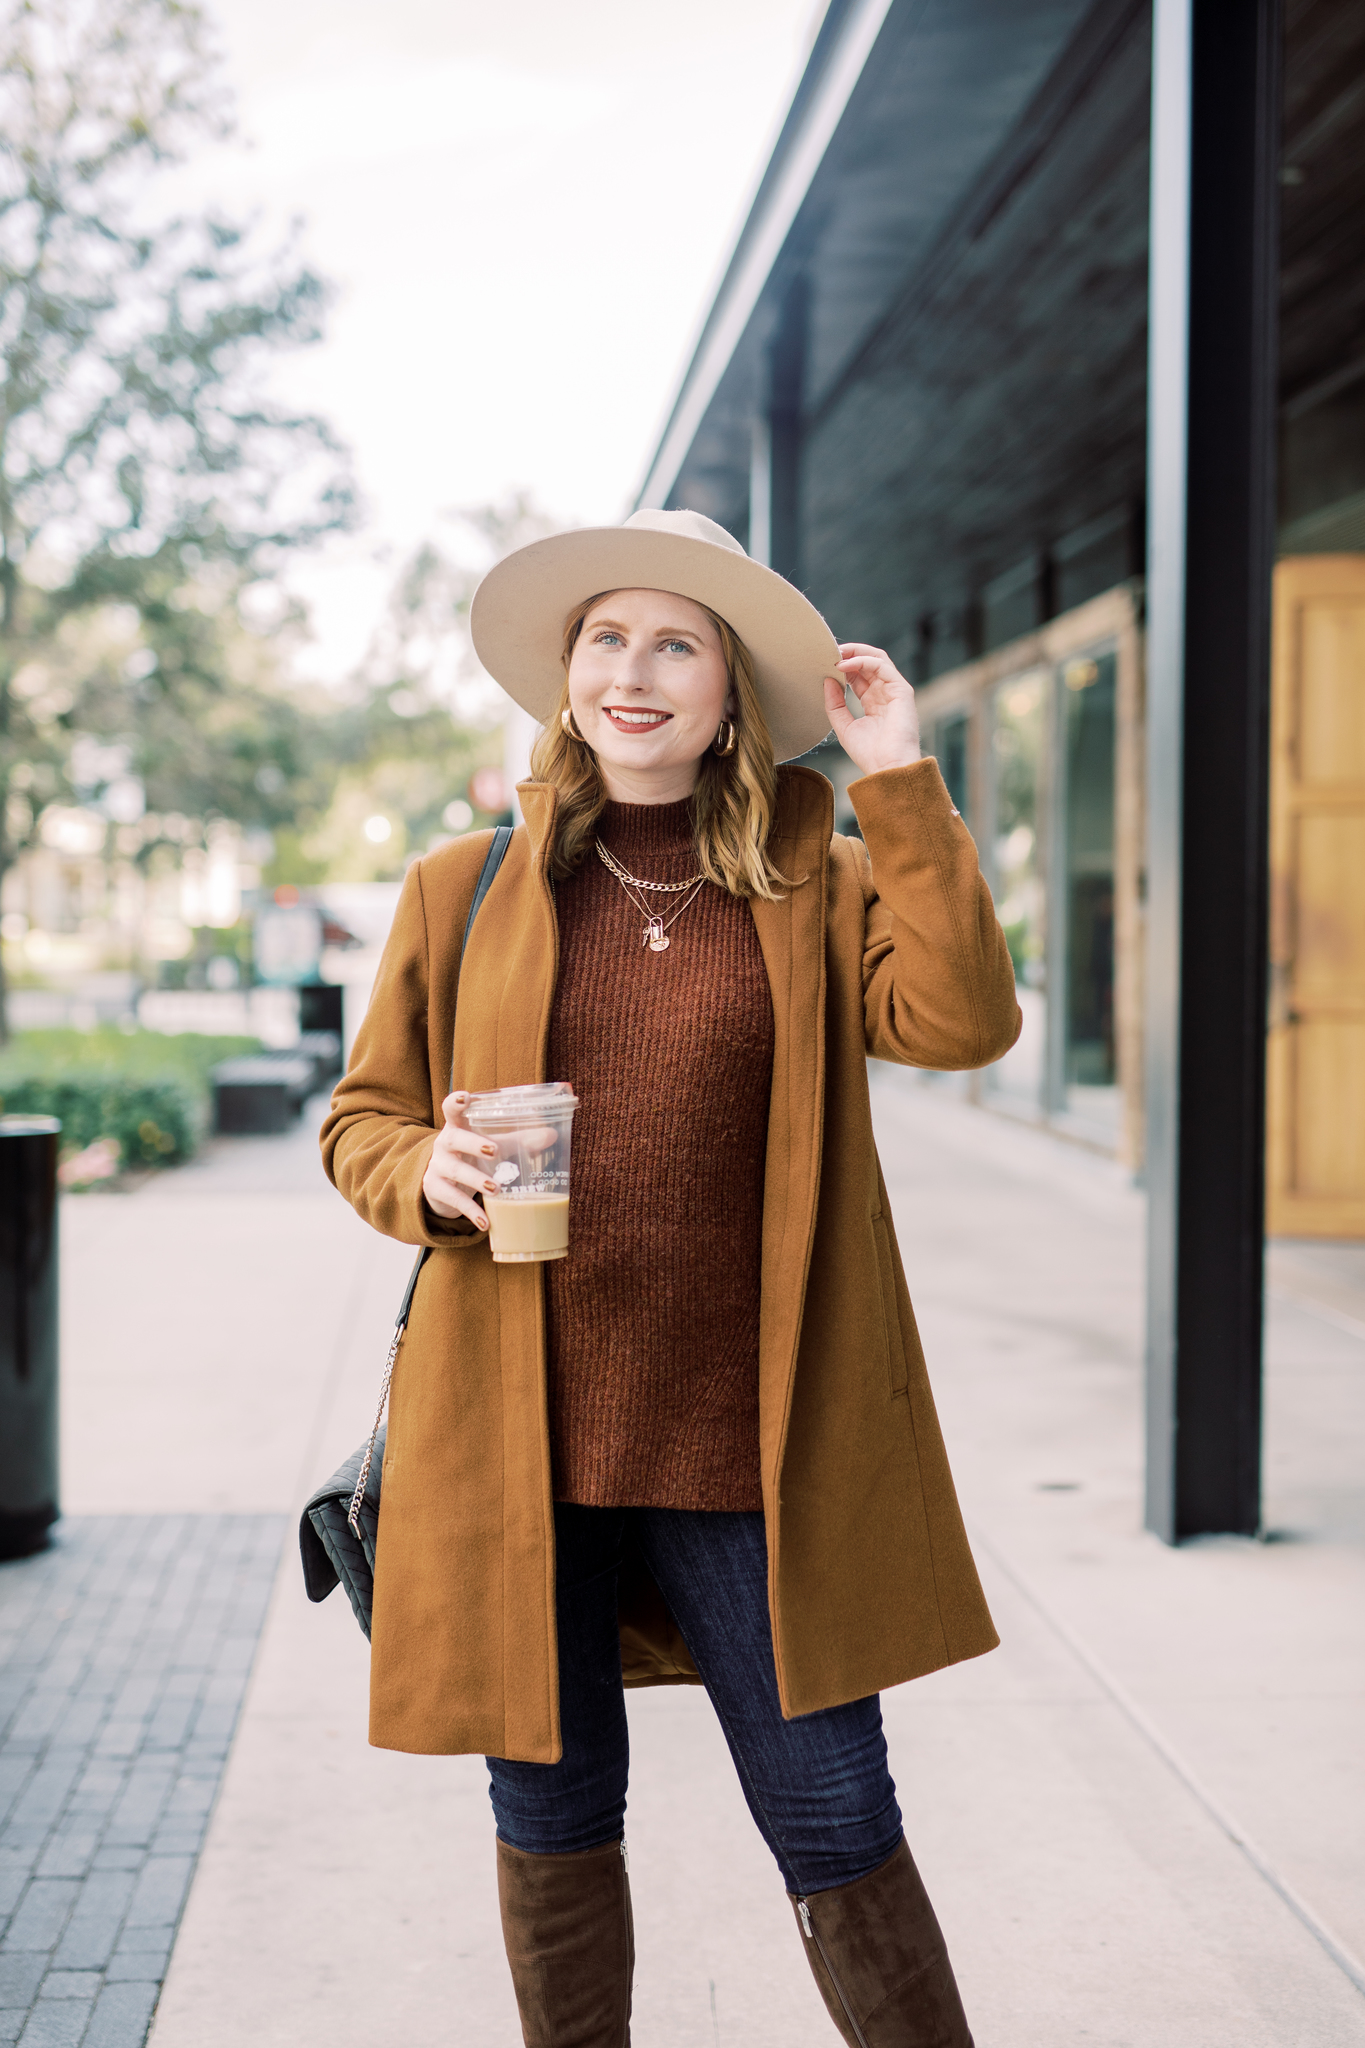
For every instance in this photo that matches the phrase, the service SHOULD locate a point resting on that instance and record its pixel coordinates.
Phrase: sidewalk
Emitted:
(1073, 1799)
(1225, 1675)
(205, 1321)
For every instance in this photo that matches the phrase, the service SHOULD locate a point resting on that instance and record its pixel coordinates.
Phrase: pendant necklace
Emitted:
(655, 933)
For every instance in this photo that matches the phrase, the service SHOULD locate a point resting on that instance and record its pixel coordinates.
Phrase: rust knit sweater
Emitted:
(653, 1317)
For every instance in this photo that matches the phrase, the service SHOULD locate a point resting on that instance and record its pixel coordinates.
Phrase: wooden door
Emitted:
(1315, 1157)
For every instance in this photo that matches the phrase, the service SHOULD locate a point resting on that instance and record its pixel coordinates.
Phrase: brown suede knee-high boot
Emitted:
(878, 1956)
(570, 1939)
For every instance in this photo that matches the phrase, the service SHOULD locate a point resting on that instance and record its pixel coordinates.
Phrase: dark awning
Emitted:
(960, 193)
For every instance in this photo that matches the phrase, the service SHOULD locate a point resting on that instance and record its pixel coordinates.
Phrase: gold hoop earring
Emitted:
(567, 724)
(727, 726)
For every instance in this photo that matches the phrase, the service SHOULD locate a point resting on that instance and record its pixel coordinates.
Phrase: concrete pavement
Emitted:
(1140, 1818)
(1233, 1670)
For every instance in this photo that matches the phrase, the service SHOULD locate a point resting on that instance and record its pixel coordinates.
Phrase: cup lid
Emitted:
(520, 1105)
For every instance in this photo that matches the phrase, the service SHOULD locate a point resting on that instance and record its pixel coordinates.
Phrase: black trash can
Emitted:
(28, 1331)
(320, 1006)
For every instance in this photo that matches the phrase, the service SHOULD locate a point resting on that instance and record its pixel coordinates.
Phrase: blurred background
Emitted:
(1028, 338)
(305, 322)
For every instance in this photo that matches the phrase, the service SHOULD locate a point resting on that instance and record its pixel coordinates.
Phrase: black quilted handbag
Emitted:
(332, 1549)
(339, 1528)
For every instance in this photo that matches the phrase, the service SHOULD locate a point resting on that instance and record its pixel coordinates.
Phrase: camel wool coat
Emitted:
(889, 947)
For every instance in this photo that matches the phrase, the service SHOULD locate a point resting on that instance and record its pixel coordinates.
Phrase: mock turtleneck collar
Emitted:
(646, 828)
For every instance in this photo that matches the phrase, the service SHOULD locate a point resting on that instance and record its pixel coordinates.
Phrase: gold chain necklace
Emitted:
(655, 933)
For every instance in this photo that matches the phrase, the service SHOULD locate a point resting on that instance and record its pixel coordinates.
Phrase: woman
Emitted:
(703, 1447)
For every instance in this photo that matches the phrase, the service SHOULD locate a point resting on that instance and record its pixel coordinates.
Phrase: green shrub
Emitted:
(146, 1091)
(152, 1122)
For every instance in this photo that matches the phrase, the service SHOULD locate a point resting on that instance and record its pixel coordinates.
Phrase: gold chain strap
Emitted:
(353, 1512)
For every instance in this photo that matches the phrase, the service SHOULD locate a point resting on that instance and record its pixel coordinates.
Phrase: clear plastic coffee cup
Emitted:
(528, 1219)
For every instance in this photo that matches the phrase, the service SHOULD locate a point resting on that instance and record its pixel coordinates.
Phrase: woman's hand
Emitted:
(460, 1167)
(887, 734)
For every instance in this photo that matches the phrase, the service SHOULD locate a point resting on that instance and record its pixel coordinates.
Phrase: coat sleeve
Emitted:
(379, 1132)
(938, 983)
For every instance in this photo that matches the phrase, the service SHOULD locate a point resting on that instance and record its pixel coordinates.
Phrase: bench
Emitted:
(261, 1092)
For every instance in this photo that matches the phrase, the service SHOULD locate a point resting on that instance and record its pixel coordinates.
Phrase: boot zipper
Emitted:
(803, 1911)
(627, 1919)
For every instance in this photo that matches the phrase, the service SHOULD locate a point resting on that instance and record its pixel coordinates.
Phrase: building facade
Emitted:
(921, 392)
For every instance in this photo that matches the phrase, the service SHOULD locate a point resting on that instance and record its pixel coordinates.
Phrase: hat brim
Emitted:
(517, 618)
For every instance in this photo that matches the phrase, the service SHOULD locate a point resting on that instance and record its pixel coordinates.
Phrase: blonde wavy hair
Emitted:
(735, 798)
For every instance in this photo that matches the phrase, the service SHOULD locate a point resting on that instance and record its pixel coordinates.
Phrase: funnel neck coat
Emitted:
(889, 947)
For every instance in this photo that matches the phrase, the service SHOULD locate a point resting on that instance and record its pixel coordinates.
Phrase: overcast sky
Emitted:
(524, 206)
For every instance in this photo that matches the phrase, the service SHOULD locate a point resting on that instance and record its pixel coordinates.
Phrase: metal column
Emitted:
(761, 491)
(786, 387)
(1211, 484)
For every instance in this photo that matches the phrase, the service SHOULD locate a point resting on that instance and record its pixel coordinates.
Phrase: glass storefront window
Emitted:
(950, 749)
(1018, 727)
(1046, 729)
(1087, 835)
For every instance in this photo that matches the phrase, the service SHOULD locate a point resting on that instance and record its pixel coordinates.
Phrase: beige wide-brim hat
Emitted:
(517, 617)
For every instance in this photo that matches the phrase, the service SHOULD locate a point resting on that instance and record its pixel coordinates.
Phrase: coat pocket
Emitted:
(897, 1366)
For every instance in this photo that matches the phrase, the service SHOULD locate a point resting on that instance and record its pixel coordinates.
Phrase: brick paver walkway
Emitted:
(124, 1654)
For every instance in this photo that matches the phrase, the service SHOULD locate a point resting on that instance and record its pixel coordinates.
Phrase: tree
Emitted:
(143, 469)
(421, 713)
(422, 645)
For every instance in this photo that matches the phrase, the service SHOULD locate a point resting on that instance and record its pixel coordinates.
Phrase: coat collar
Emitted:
(538, 804)
(805, 810)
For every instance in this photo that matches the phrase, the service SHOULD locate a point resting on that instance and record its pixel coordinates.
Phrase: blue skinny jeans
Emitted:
(818, 1787)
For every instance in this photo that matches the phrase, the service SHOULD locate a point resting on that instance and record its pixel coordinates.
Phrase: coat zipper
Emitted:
(807, 1928)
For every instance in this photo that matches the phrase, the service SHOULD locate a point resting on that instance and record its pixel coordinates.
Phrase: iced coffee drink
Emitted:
(528, 1218)
(537, 1227)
